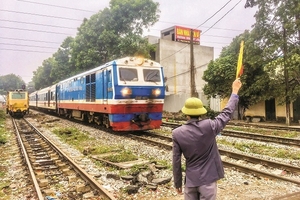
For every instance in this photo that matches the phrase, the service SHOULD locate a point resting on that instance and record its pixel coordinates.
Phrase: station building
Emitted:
(173, 52)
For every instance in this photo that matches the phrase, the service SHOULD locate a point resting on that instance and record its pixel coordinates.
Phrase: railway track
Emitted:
(266, 126)
(263, 138)
(52, 172)
(252, 136)
(166, 142)
(243, 124)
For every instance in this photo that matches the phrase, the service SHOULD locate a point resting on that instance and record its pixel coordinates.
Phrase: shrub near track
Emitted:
(3, 135)
(4, 184)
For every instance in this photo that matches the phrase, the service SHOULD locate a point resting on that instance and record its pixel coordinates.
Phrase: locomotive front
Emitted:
(17, 104)
(139, 93)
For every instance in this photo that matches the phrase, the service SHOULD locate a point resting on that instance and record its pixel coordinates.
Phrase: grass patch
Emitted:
(279, 133)
(121, 157)
(262, 149)
(133, 170)
(72, 136)
(82, 141)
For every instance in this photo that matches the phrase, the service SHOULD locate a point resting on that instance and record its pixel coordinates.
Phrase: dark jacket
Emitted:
(196, 140)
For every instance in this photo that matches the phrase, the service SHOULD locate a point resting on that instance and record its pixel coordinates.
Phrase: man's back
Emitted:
(197, 142)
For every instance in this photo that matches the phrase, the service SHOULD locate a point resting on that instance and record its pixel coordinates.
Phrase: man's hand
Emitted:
(236, 85)
(179, 190)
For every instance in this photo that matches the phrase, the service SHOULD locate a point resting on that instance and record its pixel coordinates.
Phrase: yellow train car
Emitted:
(17, 103)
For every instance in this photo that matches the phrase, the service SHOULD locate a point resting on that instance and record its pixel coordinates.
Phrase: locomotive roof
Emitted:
(18, 90)
(126, 61)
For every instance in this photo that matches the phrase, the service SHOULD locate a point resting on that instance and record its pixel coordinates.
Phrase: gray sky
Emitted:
(32, 30)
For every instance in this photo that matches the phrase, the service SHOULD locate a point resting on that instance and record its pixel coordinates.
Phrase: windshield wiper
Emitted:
(152, 81)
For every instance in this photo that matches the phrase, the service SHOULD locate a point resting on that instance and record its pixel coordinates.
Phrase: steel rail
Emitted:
(33, 177)
(85, 176)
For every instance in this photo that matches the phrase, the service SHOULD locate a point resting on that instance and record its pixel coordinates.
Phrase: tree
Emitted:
(114, 32)
(62, 67)
(10, 82)
(278, 25)
(41, 76)
(221, 73)
(30, 87)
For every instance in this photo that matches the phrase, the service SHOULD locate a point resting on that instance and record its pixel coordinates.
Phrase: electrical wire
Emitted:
(9, 38)
(222, 17)
(205, 31)
(51, 16)
(47, 25)
(25, 50)
(24, 29)
(56, 6)
(24, 45)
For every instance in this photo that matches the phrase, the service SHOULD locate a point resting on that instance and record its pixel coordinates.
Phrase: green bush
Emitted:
(211, 113)
(3, 137)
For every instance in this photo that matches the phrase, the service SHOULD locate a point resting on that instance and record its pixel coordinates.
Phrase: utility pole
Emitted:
(286, 78)
(192, 68)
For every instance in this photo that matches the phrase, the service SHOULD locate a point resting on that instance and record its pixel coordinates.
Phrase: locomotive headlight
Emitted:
(126, 92)
(156, 92)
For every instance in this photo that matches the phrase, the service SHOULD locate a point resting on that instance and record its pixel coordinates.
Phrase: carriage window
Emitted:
(151, 75)
(18, 95)
(109, 76)
(128, 74)
(52, 95)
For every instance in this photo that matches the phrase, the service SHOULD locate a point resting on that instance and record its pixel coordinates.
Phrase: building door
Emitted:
(270, 110)
(296, 110)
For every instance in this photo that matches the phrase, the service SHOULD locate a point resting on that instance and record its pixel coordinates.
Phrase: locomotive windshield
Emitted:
(18, 95)
(128, 74)
(140, 75)
(151, 75)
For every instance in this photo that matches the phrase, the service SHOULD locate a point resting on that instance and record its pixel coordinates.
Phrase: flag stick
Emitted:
(239, 69)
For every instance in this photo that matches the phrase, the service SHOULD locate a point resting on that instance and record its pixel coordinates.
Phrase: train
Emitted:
(125, 94)
(17, 103)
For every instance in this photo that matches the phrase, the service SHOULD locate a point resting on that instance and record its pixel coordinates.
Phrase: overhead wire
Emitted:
(38, 24)
(52, 32)
(24, 29)
(41, 15)
(57, 6)
(202, 24)
(222, 17)
(24, 50)
(9, 38)
(24, 45)
(65, 18)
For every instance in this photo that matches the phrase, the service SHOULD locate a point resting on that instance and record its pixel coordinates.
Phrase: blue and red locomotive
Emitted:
(125, 95)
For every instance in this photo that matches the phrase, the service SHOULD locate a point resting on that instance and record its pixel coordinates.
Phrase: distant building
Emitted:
(173, 52)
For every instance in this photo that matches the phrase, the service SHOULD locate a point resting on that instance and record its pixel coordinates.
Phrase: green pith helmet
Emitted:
(193, 107)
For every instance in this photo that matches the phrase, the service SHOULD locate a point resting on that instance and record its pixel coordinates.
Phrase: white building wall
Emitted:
(175, 58)
(215, 104)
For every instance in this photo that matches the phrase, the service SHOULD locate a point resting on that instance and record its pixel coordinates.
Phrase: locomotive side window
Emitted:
(151, 75)
(128, 74)
(17, 95)
(109, 76)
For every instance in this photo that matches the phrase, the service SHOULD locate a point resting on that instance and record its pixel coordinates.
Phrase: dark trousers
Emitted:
(203, 192)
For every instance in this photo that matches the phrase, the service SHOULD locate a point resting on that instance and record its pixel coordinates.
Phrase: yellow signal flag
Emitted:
(239, 69)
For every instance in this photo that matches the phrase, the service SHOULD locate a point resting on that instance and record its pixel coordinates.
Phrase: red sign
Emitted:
(183, 34)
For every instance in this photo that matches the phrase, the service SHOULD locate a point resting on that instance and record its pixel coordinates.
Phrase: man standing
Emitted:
(196, 140)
